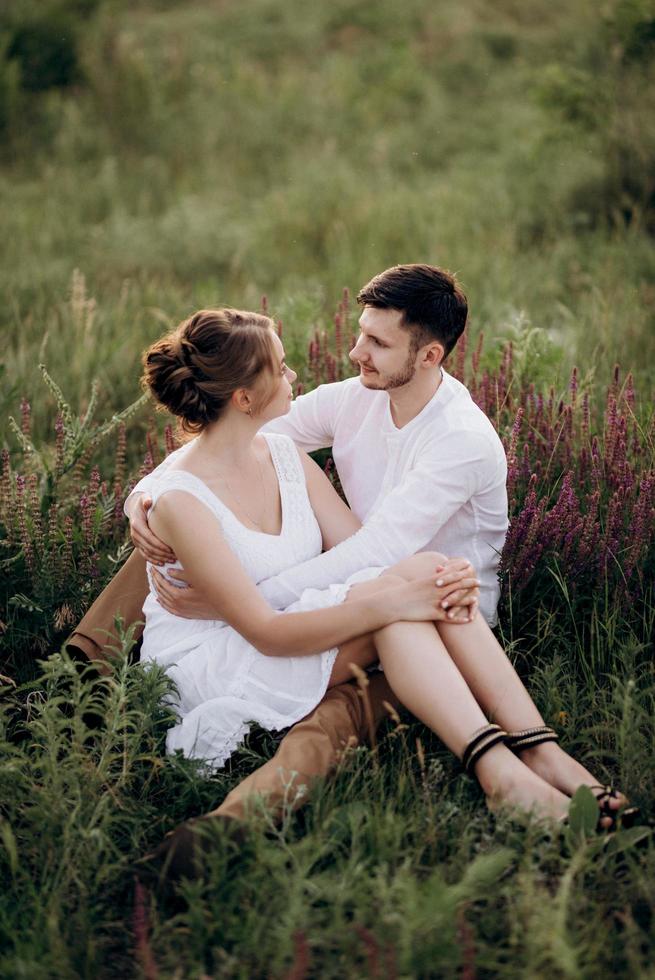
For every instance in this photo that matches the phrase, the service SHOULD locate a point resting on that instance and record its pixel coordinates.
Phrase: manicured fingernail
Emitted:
(439, 581)
(445, 603)
(451, 614)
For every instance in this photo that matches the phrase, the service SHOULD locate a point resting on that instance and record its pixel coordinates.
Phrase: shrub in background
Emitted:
(61, 522)
(581, 489)
(603, 96)
(39, 51)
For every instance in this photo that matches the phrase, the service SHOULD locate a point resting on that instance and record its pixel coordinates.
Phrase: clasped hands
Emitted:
(456, 582)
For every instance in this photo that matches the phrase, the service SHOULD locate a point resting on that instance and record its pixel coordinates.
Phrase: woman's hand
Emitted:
(433, 598)
(146, 543)
(462, 604)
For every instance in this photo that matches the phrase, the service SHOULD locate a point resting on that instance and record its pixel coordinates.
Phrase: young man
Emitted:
(421, 466)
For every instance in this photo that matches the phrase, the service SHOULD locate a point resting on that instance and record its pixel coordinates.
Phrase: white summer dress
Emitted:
(223, 682)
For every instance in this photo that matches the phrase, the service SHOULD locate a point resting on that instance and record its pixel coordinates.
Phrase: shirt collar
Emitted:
(440, 397)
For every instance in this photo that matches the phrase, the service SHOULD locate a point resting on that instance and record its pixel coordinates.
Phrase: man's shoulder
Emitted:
(456, 392)
(462, 418)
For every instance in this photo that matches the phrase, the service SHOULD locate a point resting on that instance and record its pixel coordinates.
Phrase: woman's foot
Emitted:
(561, 771)
(506, 781)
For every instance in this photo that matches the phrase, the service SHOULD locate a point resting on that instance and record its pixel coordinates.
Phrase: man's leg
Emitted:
(124, 597)
(310, 750)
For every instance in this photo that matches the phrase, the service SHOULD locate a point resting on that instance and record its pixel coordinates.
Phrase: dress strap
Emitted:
(183, 480)
(286, 458)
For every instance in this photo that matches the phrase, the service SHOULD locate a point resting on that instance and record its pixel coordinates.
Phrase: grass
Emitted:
(210, 153)
(213, 156)
(396, 864)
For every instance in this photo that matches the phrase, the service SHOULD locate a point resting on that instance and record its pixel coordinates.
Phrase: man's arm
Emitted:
(311, 420)
(406, 520)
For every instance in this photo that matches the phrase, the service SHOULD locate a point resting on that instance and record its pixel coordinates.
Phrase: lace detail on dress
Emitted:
(286, 458)
(288, 464)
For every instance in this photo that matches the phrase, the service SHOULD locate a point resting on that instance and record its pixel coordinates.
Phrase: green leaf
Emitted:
(583, 813)
(26, 443)
(483, 873)
(626, 839)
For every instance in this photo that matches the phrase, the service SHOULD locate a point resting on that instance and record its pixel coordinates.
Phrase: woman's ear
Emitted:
(242, 400)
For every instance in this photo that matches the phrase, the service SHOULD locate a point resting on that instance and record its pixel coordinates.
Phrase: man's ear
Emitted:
(432, 355)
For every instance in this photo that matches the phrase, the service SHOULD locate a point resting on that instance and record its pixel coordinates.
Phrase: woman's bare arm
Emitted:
(335, 519)
(210, 563)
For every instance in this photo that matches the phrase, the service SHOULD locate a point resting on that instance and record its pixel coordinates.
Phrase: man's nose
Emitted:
(356, 353)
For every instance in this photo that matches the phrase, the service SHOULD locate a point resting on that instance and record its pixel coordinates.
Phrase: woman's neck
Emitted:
(230, 441)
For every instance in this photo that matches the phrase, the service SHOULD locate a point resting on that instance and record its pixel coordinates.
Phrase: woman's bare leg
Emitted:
(494, 683)
(425, 679)
(500, 692)
(361, 650)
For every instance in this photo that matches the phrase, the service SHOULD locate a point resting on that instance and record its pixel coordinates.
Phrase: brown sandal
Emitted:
(481, 741)
(529, 737)
(621, 819)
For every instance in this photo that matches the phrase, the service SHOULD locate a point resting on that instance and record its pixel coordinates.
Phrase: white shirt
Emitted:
(436, 484)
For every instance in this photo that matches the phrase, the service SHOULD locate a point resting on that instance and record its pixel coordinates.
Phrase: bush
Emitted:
(604, 94)
(60, 521)
(10, 88)
(40, 51)
(581, 490)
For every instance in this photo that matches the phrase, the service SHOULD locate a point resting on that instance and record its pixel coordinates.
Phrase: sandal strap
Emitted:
(603, 799)
(529, 737)
(607, 790)
(481, 741)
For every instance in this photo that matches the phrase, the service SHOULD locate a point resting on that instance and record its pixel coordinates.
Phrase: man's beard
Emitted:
(402, 377)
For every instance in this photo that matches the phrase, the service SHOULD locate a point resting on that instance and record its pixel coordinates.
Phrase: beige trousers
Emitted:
(96, 634)
(310, 750)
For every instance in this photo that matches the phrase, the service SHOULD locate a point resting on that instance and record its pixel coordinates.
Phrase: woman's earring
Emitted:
(250, 412)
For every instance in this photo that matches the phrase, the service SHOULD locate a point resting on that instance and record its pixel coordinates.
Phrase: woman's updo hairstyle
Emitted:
(194, 370)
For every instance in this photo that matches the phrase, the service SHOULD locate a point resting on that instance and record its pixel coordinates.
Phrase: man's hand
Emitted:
(146, 543)
(187, 602)
(460, 606)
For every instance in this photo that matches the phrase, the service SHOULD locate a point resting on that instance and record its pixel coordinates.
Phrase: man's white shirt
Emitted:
(436, 484)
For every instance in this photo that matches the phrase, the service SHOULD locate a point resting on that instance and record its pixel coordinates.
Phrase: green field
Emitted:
(157, 157)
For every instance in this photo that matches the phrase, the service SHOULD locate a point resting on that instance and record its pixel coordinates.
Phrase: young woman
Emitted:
(240, 507)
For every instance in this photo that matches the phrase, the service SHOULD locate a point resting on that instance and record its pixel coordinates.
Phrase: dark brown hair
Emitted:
(194, 370)
(430, 299)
